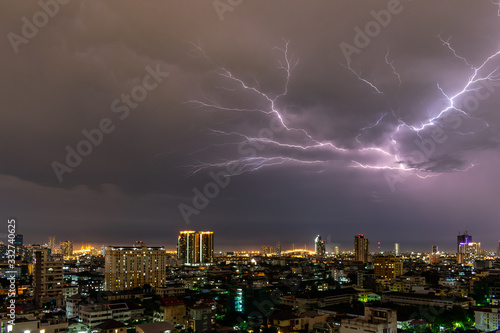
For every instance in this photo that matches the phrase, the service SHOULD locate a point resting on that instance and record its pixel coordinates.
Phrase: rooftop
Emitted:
(110, 325)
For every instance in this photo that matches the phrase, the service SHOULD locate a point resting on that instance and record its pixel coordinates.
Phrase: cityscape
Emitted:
(250, 166)
(197, 289)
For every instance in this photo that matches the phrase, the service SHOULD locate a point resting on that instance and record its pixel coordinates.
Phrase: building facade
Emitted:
(469, 252)
(487, 318)
(131, 267)
(172, 310)
(66, 248)
(376, 320)
(319, 246)
(47, 278)
(361, 246)
(388, 267)
(195, 248)
(463, 239)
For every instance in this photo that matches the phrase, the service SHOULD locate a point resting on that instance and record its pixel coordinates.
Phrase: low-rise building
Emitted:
(285, 321)
(487, 318)
(158, 327)
(72, 304)
(92, 315)
(111, 326)
(201, 318)
(376, 320)
(172, 310)
(171, 290)
(426, 299)
(30, 324)
(312, 300)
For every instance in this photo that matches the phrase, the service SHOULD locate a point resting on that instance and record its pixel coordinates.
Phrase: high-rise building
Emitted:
(337, 250)
(319, 246)
(498, 250)
(396, 249)
(52, 244)
(131, 267)
(434, 257)
(66, 248)
(206, 247)
(361, 246)
(195, 248)
(18, 244)
(47, 278)
(388, 267)
(465, 238)
(186, 250)
(278, 249)
(468, 252)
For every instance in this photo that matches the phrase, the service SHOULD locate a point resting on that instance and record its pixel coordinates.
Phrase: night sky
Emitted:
(333, 117)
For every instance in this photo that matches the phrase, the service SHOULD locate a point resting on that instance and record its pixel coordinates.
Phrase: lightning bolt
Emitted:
(391, 64)
(358, 75)
(250, 164)
(293, 143)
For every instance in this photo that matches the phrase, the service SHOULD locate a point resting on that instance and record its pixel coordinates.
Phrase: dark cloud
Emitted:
(65, 79)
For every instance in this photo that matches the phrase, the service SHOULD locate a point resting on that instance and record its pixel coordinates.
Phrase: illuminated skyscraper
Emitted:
(337, 250)
(361, 245)
(206, 247)
(435, 249)
(278, 249)
(468, 252)
(52, 244)
(465, 238)
(186, 247)
(319, 246)
(196, 248)
(396, 249)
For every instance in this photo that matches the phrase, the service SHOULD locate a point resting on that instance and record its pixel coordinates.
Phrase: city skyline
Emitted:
(173, 246)
(378, 117)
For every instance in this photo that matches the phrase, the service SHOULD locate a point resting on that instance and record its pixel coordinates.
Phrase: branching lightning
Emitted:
(275, 150)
